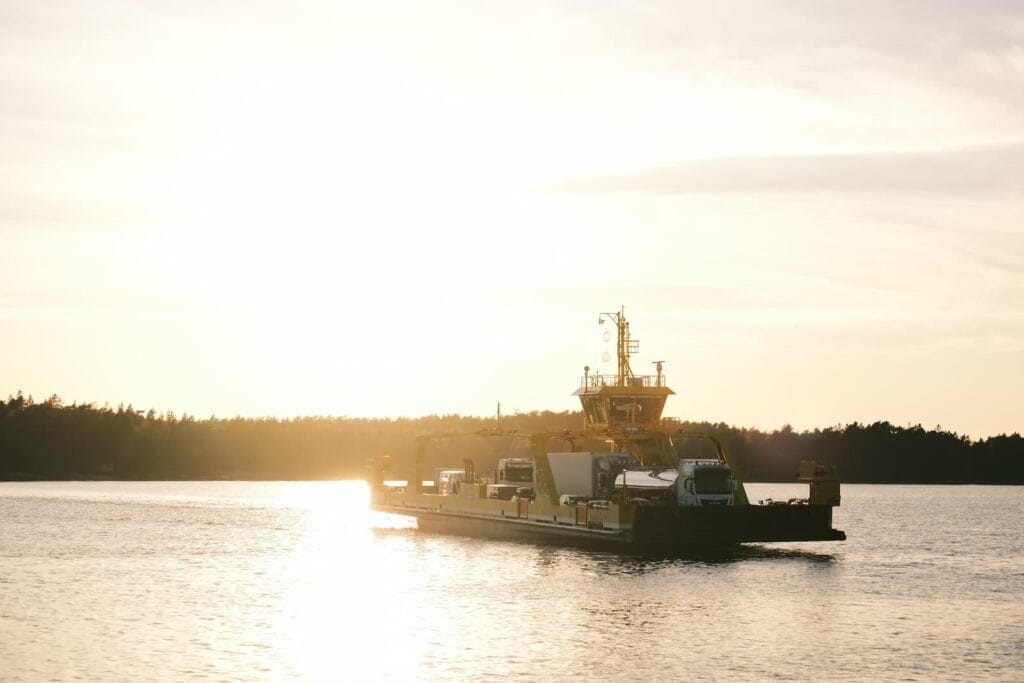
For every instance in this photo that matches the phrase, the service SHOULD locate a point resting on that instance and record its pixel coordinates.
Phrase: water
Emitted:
(257, 581)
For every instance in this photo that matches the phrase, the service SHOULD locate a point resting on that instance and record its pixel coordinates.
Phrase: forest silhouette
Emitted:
(51, 440)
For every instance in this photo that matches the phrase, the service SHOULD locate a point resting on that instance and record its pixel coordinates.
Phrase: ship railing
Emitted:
(598, 381)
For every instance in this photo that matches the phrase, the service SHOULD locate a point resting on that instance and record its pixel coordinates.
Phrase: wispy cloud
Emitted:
(995, 168)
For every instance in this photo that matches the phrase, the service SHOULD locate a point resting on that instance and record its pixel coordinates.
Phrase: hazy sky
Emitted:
(813, 211)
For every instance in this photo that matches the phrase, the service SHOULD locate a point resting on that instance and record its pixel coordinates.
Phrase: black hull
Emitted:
(734, 524)
(658, 529)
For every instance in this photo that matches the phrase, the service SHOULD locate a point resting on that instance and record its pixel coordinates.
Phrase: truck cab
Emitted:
(447, 482)
(515, 472)
(705, 482)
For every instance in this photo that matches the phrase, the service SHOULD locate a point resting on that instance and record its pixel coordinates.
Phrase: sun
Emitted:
(330, 214)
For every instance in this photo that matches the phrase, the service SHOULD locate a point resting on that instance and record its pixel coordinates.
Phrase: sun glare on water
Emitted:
(337, 585)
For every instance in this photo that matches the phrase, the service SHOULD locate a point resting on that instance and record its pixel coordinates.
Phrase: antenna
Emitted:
(657, 366)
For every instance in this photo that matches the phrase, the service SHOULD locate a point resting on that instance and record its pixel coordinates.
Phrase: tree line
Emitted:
(51, 440)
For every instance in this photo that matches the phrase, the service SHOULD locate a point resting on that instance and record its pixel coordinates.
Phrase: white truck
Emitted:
(447, 482)
(515, 472)
(705, 482)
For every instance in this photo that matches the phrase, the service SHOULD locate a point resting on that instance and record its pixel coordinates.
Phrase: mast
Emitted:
(626, 346)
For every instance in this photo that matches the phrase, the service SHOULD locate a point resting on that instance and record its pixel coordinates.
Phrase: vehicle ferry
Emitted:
(620, 483)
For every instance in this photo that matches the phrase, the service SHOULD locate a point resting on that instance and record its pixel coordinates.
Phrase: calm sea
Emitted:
(256, 581)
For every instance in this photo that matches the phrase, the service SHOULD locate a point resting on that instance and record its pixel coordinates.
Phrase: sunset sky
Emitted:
(813, 211)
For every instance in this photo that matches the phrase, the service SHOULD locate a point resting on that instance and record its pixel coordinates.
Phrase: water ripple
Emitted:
(283, 580)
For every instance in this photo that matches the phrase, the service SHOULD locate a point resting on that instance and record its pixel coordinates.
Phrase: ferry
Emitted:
(627, 481)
